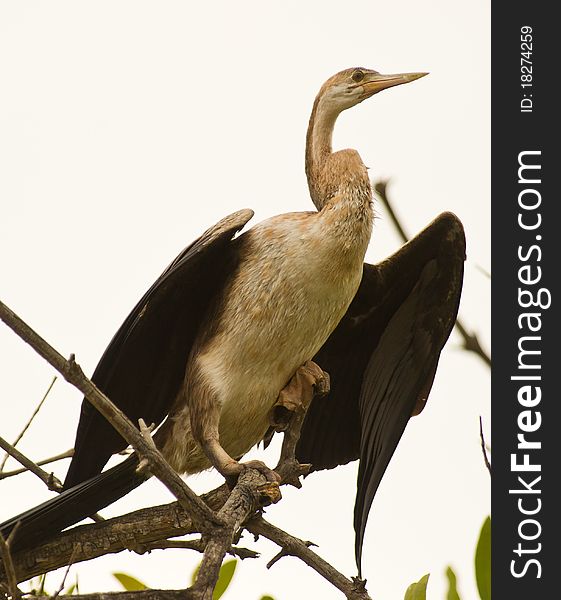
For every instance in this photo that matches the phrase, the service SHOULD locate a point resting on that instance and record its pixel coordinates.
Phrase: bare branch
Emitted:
(196, 545)
(47, 478)
(45, 461)
(285, 552)
(483, 446)
(26, 426)
(72, 372)
(12, 584)
(63, 582)
(483, 271)
(354, 589)
(252, 492)
(132, 531)
(471, 341)
(191, 514)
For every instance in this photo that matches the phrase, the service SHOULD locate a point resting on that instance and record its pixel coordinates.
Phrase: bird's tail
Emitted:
(38, 524)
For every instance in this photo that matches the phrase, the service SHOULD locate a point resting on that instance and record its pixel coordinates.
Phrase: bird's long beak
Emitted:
(376, 82)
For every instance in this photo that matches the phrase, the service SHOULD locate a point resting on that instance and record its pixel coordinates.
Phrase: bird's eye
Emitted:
(357, 76)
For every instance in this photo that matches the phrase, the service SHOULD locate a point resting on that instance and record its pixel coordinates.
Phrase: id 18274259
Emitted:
(526, 69)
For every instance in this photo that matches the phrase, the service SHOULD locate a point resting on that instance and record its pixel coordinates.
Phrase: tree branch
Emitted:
(354, 589)
(483, 448)
(191, 514)
(471, 341)
(72, 372)
(47, 478)
(251, 493)
(10, 572)
(39, 463)
(27, 425)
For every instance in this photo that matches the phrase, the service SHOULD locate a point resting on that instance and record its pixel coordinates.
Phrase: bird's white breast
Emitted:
(295, 282)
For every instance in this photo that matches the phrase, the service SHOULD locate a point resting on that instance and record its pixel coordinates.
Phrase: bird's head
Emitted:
(351, 86)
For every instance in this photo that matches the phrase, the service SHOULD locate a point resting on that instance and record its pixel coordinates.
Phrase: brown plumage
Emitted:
(220, 334)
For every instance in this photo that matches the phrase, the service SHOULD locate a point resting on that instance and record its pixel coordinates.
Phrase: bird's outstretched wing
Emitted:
(143, 367)
(382, 359)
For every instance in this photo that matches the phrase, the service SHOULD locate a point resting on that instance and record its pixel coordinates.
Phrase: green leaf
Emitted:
(266, 598)
(131, 584)
(418, 591)
(452, 589)
(42, 584)
(483, 561)
(70, 590)
(224, 578)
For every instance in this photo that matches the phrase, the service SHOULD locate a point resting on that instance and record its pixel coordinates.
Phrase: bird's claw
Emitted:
(308, 381)
(234, 469)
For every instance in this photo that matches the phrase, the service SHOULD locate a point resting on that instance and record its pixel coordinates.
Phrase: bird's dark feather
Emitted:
(382, 358)
(143, 367)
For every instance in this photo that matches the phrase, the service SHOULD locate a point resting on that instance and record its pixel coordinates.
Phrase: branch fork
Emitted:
(219, 517)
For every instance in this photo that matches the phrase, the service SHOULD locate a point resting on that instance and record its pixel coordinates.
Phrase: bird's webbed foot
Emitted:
(308, 381)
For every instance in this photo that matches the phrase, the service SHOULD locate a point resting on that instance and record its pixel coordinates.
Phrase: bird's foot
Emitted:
(308, 381)
(232, 470)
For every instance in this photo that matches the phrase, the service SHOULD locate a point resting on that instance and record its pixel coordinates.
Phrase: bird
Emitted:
(237, 316)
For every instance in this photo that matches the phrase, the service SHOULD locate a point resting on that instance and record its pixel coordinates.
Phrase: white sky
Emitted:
(127, 128)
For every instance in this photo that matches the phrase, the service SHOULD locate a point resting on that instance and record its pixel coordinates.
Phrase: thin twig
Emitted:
(52, 482)
(47, 478)
(483, 446)
(471, 341)
(63, 582)
(126, 532)
(72, 372)
(483, 271)
(251, 492)
(354, 589)
(9, 570)
(46, 461)
(26, 427)
(197, 545)
(285, 552)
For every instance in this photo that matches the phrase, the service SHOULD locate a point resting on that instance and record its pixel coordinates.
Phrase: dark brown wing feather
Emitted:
(383, 356)
(143, 366)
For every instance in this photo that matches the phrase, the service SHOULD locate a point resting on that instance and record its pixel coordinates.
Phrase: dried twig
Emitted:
(72, 372)
(131, 531)
(39, 463)
(286, 552)
(11, 580)
(47, 478)
(251, 492)
(134, 531)
(483, 271)
(63, 582)
(26, 426)
(354, 589)
(471, 341)
(196, 545)
(483, 446)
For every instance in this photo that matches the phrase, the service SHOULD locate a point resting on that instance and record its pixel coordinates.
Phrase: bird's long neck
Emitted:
(341, 174)
(318, 148)
(338, 182)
